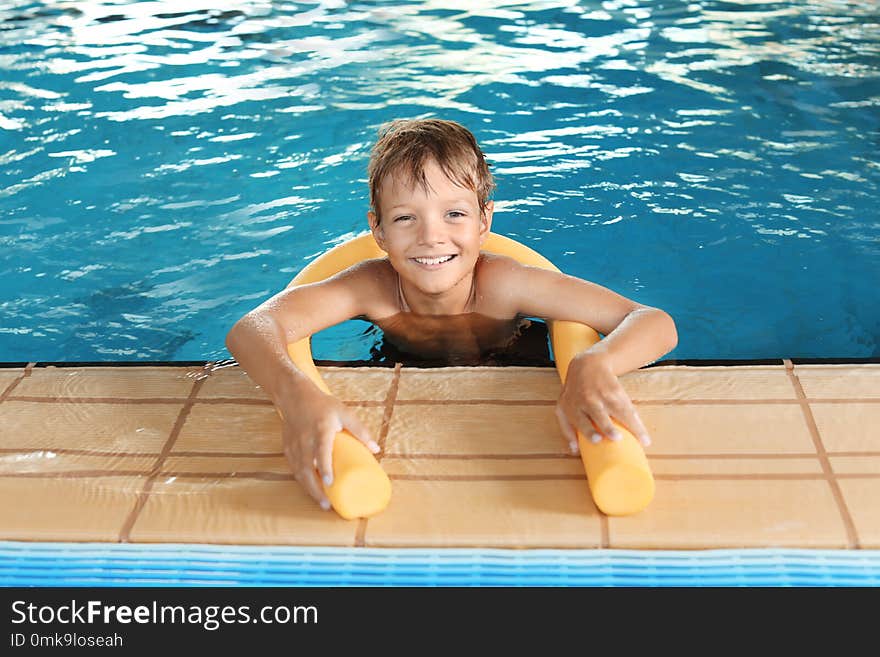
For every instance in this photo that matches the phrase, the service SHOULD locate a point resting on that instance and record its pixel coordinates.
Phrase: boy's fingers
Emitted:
(308, 478)
(604, 426)
(633, 422)
(625, 413)
(325, 455)
(291, 456)
(587, 429)
(568, 431)
(359, 430)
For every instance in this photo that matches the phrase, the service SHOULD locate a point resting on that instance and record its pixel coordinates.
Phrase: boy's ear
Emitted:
(486, 221)
(376, 229)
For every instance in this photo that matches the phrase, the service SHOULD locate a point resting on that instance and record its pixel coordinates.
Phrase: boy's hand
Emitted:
(592, 395)
(309, 427)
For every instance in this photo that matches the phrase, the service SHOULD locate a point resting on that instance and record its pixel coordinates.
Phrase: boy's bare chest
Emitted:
(467, 335)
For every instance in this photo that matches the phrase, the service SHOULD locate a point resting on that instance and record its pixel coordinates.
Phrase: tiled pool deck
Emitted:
(746, 456)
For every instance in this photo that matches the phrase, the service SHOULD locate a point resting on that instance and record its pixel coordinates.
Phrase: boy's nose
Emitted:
(431, 231)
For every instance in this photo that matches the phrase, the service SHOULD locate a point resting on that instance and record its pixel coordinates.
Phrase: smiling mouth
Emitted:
(434, 262)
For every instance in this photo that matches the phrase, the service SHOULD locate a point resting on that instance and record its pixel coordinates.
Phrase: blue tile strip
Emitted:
(108, 565)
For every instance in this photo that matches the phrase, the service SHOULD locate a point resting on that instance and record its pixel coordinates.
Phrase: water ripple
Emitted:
(151, 152)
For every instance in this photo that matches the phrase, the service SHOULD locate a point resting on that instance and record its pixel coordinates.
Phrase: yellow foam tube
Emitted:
(618, 473)
(360, 487)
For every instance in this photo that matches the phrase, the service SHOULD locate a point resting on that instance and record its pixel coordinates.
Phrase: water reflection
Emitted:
(183, 149)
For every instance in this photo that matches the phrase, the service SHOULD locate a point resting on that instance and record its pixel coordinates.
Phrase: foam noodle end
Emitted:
(360, 488)
(622, 489)
(618, 473)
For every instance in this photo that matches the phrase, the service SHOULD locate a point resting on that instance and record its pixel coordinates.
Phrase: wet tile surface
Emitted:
(839, 381)
(109, 382)
(93, 427)
(237, 511)
(493, 513)
(57, 508)
(476, 458)
(737, 513)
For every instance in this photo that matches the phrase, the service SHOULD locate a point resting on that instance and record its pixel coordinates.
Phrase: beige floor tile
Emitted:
(517, 514)
(477, 467)
(230, 382)
(853, 427)
(861, 497)
(859, 465)
(226, 464)
(48, 461)
(688, 514)
(117, 428)
(66, 509)
(478, 430)
(358, 383)
(507, 383)
(230, 428)
(237, 511)
(7, 376)
(735, 465)
(484, 475)
(572, 466)
(697, 429)
(109, 382)
(245, 428)
(840, 381)
(686, 382)
(350, 384)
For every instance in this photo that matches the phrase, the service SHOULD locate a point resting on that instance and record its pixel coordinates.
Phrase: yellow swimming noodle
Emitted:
(360, 486)
(618, 473)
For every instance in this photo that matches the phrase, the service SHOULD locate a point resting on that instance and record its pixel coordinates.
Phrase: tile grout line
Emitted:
(144, 494)
(698, 401)
(247, 401)
(851, 532)
(390, 399)
(433, 456)
(774, 476)
(281, 476)
(11, 387)
(390, 402)
(448, 457)
(244, 401)
(21, 377)
(126, 401)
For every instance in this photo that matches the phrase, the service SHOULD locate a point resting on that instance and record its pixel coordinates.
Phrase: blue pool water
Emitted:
(164, 169)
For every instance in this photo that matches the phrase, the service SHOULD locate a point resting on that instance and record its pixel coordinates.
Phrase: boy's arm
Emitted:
(259, 340)
(635, 335)
(311, 418)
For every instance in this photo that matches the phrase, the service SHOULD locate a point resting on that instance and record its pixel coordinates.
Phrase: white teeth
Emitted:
(433, 261)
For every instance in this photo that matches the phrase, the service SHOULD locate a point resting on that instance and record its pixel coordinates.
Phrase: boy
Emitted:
(429, 192)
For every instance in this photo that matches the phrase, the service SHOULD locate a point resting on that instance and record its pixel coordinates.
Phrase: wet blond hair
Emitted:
(404, 145)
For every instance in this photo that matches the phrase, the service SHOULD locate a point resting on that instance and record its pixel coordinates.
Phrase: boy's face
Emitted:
(432, 237)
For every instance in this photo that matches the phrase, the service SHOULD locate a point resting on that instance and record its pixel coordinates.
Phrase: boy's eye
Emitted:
(403, 217)
(455, 214)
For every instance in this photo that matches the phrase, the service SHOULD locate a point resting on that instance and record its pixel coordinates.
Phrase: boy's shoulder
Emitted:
(375, 283)
(375, 270)
(501, 281)
(498, 268)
